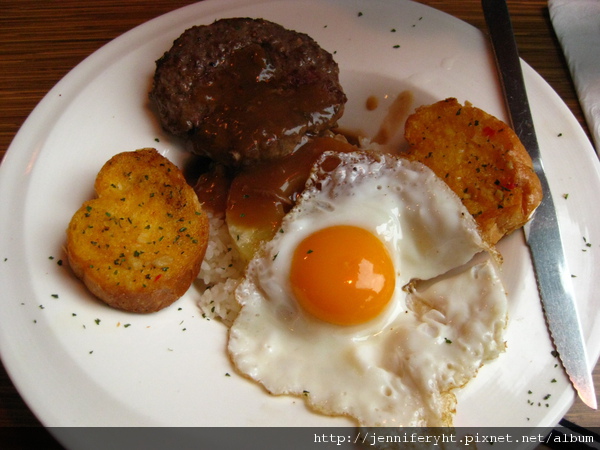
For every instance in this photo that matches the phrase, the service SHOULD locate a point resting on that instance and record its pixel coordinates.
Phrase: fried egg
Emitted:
(369, 302)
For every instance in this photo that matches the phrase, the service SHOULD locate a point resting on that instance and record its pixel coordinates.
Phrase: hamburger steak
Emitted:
(243, 90)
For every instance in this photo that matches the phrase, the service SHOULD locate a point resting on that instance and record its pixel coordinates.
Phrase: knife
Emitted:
(541, 232)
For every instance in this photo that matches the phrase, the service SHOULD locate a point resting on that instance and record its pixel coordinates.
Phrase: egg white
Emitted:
(399, 368)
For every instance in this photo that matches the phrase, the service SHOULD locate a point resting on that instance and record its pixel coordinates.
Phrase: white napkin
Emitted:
(577, 25)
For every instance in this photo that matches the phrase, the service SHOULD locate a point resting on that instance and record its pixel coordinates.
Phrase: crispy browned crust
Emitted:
(481, 159)
(139, 245)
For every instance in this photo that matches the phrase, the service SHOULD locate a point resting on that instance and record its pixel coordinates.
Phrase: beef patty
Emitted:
(245, 89)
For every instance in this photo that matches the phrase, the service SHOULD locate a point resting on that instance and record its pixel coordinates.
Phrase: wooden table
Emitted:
(41, 41)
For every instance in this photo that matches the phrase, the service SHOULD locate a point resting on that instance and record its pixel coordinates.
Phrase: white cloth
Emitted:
(577, 25)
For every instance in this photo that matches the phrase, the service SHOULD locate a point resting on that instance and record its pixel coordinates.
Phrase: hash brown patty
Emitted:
(481, 159)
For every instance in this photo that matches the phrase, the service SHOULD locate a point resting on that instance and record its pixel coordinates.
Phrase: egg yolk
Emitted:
(343, 275)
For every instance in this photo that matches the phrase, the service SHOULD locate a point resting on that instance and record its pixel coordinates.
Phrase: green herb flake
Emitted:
(97, 321)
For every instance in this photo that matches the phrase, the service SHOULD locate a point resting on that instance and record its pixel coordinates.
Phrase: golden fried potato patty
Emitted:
(139, 245)
(481, 159)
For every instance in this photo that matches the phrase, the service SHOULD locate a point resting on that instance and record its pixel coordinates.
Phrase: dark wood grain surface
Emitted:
(40, 42)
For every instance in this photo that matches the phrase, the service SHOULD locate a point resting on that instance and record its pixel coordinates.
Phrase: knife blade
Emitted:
(542, 232)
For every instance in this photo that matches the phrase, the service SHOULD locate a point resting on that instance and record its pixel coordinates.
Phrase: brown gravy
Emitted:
(253, 103)
(258, 196)
(261, 195)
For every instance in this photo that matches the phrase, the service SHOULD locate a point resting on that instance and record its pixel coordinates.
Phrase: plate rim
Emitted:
(51, 100)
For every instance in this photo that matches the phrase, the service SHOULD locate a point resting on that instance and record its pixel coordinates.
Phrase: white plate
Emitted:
(74, 360)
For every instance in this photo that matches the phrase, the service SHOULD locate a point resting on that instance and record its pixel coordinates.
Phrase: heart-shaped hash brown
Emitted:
(139, 245)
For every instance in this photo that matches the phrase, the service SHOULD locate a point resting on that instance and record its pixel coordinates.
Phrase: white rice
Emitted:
(220, 273)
